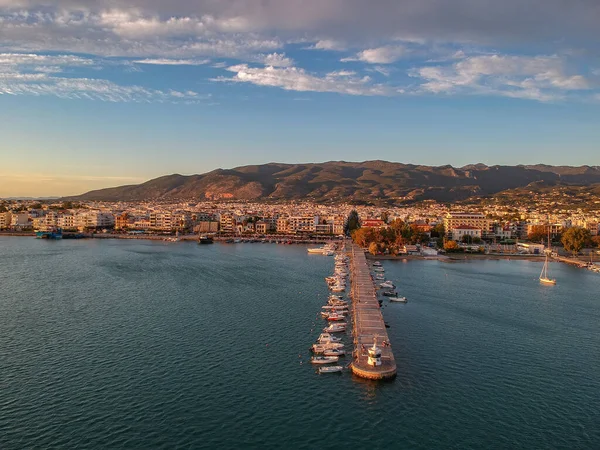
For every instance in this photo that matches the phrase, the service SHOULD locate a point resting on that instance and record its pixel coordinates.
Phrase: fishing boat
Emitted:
(331, 369)
(398, 299)
(49, 233)
(205, 240)
(320, 348)
(377, 264)
(335, 317)
(324, 359)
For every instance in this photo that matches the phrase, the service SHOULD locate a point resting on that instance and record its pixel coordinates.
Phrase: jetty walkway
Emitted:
(368, 322)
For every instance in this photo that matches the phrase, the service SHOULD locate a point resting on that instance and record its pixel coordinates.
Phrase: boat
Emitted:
(544, 278)
(205, 240)
(378, 269)
(320, 348)
(335, 317)
(335, 328)
(398, 299)
(387, 285)
(324, 359)
(390, 294)
(377, 264)
(331, 369)
(337, 352)
(324, 338)
(318, 250)
(50, 233)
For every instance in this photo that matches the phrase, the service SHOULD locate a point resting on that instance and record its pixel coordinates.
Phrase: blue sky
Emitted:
(103, 93)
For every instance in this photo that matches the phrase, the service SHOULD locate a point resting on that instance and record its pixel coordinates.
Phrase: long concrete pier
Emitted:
(368, 322)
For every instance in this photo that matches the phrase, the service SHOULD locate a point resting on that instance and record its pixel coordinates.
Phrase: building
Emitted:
(283, 225)
(5, 220)
(466, 232)
(67, 222)
(227, 222)
(471, 221)
(303, 224)
(372, 223)
(122, 221)
(206, 226)
(94, 220)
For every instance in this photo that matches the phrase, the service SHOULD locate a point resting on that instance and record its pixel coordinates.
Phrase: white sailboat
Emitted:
(544, 278)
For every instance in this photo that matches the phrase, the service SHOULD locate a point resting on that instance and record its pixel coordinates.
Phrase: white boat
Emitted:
(335, 328)
(377, 264)
(331, 369)
(326, 337)
(320, 348)
(544, 279)
(387, 285)
(380, 277)
(378, 269)
(338, 288)
(337, 352)
(324, 359)
(398, 299)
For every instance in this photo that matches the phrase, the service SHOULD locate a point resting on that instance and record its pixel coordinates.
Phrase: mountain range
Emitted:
(348, 181)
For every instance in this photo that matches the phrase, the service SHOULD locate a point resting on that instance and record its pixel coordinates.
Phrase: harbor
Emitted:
(373, 357)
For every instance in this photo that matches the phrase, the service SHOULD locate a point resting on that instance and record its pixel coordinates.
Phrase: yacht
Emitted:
(398, 299)
(544, 279)
(337, 352)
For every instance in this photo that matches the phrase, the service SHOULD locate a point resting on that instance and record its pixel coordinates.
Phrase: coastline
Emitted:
(456, 257)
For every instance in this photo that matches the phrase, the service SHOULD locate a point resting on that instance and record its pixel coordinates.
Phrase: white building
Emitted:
(5, 219)
(20, 220)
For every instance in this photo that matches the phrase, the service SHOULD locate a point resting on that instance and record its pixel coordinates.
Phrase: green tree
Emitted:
(352, 223)
(575, 238)
(438, 231)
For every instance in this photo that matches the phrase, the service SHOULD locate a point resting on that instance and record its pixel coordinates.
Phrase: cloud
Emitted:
(381, 55)
(33, 74)
(297, 79)
(541, 78)
(329, 44)
(276, 60)
(173, 62)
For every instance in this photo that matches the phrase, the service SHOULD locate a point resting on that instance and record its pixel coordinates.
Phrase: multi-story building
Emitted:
(122, 221)
(303, 224)
(478, 221)
(227, 222)
(283, 225)
(459, 233)
(94, 220)
(5, 219)
(67, 222)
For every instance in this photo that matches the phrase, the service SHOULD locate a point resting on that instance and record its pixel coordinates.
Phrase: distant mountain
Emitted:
(339, 180)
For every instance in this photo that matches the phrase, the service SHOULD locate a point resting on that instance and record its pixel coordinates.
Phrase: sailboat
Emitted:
(544, 279)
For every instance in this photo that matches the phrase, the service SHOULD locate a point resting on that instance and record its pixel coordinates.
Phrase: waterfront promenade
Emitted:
(368, 322)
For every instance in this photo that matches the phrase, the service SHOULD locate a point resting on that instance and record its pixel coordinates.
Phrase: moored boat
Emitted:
(324, 359)
(398, 299)
(331, 369)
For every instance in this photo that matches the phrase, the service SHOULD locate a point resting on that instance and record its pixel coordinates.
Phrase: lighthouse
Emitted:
(374, 355)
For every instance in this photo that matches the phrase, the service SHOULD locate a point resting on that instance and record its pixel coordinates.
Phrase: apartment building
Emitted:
(5, 219)
(467, 221)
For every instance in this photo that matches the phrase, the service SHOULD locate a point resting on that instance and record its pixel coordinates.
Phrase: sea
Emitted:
(159, 345)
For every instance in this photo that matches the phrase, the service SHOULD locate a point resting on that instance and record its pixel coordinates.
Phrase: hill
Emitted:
(340, 180)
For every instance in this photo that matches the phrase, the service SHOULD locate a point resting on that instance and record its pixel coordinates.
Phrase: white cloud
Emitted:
(276, 60)
(173, 62)
(296, 79)
(382, 55)
(329, 44)
(541, 78)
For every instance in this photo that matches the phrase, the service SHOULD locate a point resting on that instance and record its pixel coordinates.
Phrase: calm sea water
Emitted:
(124, 344)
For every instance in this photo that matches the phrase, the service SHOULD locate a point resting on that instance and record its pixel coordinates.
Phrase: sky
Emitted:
(110, 92)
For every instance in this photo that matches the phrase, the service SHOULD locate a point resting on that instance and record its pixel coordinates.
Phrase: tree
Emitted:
(537, 233)
(596, 241)
(373, 248)
(385, 216)
(352, 223)
(575, 238)
(438, 231)
(451, 246)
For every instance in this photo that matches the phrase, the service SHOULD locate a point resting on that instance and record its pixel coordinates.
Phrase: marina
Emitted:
(373, 357)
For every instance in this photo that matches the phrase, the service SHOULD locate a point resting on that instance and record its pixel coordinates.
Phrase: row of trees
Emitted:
(392, 238)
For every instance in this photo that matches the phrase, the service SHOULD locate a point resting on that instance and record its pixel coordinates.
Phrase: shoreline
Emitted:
(456, 257)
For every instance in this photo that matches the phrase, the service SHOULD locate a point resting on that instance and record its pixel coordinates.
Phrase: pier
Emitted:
(368, 322)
